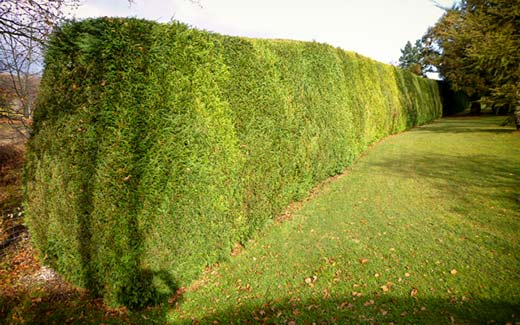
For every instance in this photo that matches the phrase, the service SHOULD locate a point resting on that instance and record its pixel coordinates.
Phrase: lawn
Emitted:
(424, 228)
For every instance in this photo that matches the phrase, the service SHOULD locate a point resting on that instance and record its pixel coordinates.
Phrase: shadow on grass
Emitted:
(379, 309)
(494, 177)
(71, 306)
(466, 124)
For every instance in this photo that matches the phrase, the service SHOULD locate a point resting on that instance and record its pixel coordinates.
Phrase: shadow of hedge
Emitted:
(382, 309)
(501, 176)
(71, 307)
(465, 125)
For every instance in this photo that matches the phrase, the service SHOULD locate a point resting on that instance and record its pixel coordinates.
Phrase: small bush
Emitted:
(157, 147)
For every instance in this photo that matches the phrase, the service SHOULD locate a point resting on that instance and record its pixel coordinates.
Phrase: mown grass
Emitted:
(423, 229)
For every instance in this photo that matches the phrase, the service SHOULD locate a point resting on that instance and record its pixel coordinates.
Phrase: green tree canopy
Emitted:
(476, 46)
(411, 57)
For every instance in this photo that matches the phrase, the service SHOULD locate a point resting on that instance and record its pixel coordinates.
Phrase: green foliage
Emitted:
(157, 147)
(411, 57)
(476, 46)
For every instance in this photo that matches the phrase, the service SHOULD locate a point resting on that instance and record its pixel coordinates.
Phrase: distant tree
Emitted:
(411, 57)
(476, 47)
(31, 18)
(24, 28)
(20, 63)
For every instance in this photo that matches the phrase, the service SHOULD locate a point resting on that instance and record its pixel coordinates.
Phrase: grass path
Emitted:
(425, 228)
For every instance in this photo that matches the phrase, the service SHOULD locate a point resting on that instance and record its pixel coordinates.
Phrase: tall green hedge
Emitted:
(156, 147)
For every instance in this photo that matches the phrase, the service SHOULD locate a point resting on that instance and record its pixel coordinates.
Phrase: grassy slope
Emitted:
(424, 228)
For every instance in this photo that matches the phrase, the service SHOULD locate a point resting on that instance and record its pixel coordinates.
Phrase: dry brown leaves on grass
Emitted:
(30, 292)
(12, 158)
(21, 274)
(33, 293)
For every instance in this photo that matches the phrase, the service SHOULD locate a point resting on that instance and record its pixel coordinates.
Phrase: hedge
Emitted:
(157, 147)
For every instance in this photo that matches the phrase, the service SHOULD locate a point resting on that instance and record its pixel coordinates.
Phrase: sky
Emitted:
(374, 28)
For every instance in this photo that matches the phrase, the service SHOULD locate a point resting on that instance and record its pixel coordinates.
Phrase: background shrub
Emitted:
(157, 147)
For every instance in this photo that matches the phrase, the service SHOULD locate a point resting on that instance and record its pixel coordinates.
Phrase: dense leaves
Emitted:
(157, 147)
(411, 57)
(476, 46)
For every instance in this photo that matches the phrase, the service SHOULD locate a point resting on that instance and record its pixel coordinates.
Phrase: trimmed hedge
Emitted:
(156, 147)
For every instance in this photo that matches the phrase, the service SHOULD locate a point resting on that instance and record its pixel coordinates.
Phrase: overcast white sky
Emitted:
(374, 28)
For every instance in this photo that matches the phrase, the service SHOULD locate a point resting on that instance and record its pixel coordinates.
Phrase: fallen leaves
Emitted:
(246, 288)
(363, 260)
(237, 249)
(414, 292)
(346, 304)
(386, 287)
(369, 303)
(311, 280)
(177, 296)
(325, 294)
(330, 261)
(453, 272)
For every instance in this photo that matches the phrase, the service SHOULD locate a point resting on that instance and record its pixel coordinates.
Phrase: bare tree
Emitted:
(32, 18)
(24, 28)
(20, 62)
